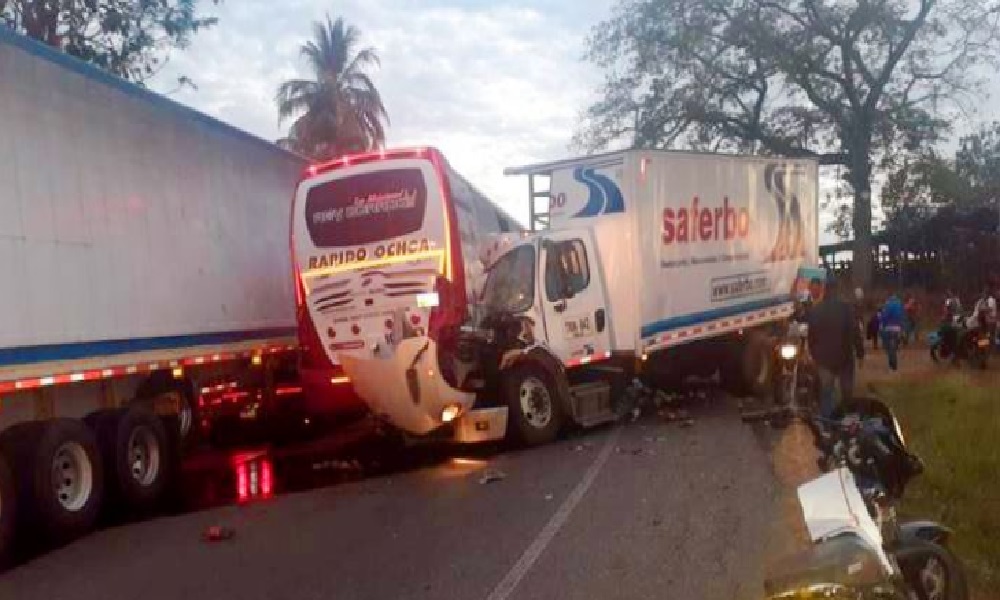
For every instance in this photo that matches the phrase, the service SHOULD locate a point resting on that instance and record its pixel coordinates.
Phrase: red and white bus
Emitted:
(385, 249)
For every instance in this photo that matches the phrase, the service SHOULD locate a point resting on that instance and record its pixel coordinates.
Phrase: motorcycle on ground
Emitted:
(861, 549)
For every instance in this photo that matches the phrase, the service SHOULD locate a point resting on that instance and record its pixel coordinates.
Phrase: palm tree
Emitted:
(339, 111)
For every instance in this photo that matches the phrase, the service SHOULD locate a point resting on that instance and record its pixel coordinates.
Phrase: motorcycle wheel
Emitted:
(978, 359)
(933, 572)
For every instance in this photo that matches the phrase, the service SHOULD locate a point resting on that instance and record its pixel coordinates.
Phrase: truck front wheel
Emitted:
(8, 510)
(533, 405)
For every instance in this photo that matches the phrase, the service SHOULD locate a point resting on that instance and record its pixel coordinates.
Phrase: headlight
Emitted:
(789, 351)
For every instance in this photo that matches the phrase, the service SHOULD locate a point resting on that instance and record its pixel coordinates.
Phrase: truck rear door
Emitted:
(573, 298)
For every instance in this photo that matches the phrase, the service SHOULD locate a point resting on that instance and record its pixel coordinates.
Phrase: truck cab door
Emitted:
(573, 299)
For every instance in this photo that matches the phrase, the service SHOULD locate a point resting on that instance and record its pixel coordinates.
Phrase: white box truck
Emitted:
(659, 264)
(144, 254)
(664, 264)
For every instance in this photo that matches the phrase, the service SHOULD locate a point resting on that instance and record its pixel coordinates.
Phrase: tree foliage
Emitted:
(949, 206)
(340, 110)
(927, 183)
(129, 38)
(839, 80)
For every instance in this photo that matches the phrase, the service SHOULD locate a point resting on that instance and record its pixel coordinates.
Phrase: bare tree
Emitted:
(840, 80)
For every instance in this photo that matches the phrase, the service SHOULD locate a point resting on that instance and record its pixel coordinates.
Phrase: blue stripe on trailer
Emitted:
(56, 352)
(710, 315)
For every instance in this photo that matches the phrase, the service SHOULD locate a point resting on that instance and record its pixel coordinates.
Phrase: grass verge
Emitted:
(953, 423)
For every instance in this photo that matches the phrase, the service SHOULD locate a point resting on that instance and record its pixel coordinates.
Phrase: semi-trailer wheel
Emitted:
(533, 405)
(136, 452)
(141, 458)
(8, 512)
(66, 478)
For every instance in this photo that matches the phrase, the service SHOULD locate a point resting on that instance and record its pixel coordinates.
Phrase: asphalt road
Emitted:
(646, 509)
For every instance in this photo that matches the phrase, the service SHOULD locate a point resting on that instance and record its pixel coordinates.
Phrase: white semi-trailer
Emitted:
(144, 260)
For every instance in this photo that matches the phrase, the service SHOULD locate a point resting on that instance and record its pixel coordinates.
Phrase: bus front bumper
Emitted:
(404, 388)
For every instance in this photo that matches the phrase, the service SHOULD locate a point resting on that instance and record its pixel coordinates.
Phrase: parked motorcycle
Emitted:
(863, 449)
(797, 381)
(955, 341)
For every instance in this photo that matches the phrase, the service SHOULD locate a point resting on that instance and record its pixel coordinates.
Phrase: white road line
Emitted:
(513, 577)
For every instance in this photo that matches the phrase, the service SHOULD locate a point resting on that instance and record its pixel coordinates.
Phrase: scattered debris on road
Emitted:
(218, 533)
(491, 475)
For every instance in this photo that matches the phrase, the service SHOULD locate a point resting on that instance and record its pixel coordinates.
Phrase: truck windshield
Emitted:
(511, 282)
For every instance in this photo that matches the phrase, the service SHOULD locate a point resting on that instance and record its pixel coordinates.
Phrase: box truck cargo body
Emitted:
(691, 245)
(145, 266)
(663, 264)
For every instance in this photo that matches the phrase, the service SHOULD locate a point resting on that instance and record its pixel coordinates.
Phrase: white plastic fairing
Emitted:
(832, 505)
(381, 381)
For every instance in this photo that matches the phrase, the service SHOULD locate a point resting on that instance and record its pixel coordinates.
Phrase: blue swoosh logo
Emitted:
(603, 195)
(595, 195)
(614, 202)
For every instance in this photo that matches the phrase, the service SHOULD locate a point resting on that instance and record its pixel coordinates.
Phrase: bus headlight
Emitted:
(450, 413)
(789, 351)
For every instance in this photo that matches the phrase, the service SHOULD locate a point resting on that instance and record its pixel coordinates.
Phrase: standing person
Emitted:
(984, 315)
(893, 321)
(874, 328)
(834, 341)
(911, 310)
(952, 305)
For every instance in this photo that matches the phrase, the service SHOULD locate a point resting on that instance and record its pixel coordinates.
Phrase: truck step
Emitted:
(612, 369)
(592, 403)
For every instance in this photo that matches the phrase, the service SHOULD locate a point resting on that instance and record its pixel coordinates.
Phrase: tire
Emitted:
(70, 507)
(979, 359)
(534, 407)
(942, 579)
(182, 430)
(758, 366)
(8, 512)
(137, 459)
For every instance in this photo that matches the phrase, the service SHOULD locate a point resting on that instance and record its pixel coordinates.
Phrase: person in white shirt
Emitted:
(984, 315)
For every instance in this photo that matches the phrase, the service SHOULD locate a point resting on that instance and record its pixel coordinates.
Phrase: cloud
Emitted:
(491, 86)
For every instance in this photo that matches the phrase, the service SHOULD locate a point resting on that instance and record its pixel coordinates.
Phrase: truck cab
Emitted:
(545, 335)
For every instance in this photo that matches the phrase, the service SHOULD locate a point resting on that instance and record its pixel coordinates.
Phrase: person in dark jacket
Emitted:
(834, 342)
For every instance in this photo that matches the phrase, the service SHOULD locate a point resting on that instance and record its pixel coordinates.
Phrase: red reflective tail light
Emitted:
(242, 487)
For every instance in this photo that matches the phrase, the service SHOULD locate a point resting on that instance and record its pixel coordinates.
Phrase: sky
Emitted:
(490, 86)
